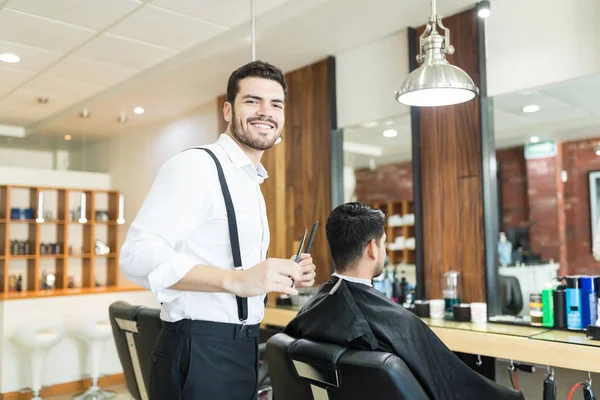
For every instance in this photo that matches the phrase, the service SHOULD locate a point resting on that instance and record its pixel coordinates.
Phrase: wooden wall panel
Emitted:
(298, 190)
(451, 182)
(307, 156)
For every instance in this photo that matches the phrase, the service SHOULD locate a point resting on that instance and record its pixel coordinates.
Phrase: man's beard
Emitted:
(243, 136)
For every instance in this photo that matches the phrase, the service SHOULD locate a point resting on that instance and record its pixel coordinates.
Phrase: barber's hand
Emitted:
(308, 271)
(271, 275)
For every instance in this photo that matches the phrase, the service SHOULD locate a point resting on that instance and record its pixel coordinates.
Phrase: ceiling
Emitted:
(168, 56)
(568, 111)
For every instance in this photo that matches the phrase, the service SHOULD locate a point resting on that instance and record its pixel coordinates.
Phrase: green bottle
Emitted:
(548, 306)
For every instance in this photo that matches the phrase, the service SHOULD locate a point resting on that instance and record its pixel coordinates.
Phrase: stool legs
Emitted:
(94, 392)
(36, 358)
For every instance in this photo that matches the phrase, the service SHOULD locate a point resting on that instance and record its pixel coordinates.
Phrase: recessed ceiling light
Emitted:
(390, 133)
(531, 108)
(138, 110)
(279, 140)
(9, 58)
(68, 137)
(534, 139)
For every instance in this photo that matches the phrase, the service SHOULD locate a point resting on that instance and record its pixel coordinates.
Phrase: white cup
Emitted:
(479, 313)
(436, 308)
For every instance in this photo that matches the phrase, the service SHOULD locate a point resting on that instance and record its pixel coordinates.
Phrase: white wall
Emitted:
(132, 159)
(367, 77)
(11, 157)
(537, 42)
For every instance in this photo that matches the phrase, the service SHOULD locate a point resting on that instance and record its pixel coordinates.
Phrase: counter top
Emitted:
(536, 345)
(67, 292)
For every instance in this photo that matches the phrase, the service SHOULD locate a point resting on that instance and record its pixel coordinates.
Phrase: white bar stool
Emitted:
(94, 332)
(37, 339)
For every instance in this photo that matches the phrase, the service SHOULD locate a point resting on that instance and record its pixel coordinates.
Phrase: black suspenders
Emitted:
(242, 302)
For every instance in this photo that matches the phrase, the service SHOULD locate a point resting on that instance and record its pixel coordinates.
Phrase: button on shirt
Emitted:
(183, 222)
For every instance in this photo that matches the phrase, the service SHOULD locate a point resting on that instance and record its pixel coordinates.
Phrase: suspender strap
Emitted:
(242, 302)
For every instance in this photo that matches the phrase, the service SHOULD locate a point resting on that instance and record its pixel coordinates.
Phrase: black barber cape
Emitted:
(360, 317)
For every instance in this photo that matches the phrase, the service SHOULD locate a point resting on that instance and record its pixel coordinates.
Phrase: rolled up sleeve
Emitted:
(173, 208)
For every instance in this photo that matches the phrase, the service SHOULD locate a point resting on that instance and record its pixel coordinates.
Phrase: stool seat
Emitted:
(37, 339)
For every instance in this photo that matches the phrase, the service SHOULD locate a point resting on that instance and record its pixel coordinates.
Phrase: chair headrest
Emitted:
(124, 310)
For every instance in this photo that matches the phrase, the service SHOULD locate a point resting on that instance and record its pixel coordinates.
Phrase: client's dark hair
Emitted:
(350, 227)
(254, 69)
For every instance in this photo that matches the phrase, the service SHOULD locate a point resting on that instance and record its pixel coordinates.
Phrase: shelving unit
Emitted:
(64, 224)
(401, 208)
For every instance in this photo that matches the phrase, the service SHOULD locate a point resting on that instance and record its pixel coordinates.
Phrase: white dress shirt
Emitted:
(183, 222)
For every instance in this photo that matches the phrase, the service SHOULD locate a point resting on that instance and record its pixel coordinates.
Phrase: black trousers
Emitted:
(204, 360)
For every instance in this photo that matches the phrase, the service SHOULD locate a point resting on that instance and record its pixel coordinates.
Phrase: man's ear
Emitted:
(227, 108)
(372, 249)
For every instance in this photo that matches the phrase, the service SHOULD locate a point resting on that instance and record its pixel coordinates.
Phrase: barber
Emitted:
(182, 245)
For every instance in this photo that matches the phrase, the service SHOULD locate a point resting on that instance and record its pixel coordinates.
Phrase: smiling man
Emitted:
(208, 266)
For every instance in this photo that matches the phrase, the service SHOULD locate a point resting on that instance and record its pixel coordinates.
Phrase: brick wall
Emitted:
(546, 208)
(532, 192)
(579, 159)
(388, 182)
(513, 186)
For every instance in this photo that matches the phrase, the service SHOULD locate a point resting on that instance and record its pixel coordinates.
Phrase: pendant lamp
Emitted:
(436, 82)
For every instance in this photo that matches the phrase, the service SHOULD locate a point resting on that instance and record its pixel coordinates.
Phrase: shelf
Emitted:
(68, 292)
(62, 203)
(80, 255)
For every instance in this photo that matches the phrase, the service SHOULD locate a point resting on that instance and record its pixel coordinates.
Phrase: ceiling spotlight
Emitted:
(122, 118)
(534, 139)
(279, 140)
(597, 150)
(138, 110)
(390, 133)
(42, 100)
(388, 123)
(531, 108)
(9, 58)
(85, 113)
(68, 137)
(483, 9)
(436, 82)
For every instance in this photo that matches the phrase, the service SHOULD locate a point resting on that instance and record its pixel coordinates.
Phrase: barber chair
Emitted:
(512, 296)
(135, 330)
(301, 369)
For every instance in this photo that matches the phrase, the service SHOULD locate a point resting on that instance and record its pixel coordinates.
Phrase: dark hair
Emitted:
(254, 69)
(350, 227)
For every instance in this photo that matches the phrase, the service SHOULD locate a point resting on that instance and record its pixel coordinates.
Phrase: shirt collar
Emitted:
(353, 279)
(238, 157)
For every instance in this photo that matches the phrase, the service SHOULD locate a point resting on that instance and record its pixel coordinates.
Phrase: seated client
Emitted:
(348, 311)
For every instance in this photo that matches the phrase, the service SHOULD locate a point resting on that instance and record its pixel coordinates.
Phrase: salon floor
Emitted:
(120, 390)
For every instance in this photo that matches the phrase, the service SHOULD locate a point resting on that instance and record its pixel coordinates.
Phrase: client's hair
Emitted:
(350, 227)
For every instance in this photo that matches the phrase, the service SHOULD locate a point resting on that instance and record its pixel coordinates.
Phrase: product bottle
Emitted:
(548, 306)
(560, 307)
(573, 303)
(589, 310)
(504, 250)
(451, 288)
(388, 284)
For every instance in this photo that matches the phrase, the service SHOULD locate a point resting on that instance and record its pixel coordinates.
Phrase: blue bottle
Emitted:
(588, 301)
(573, 296)
(504, 250)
